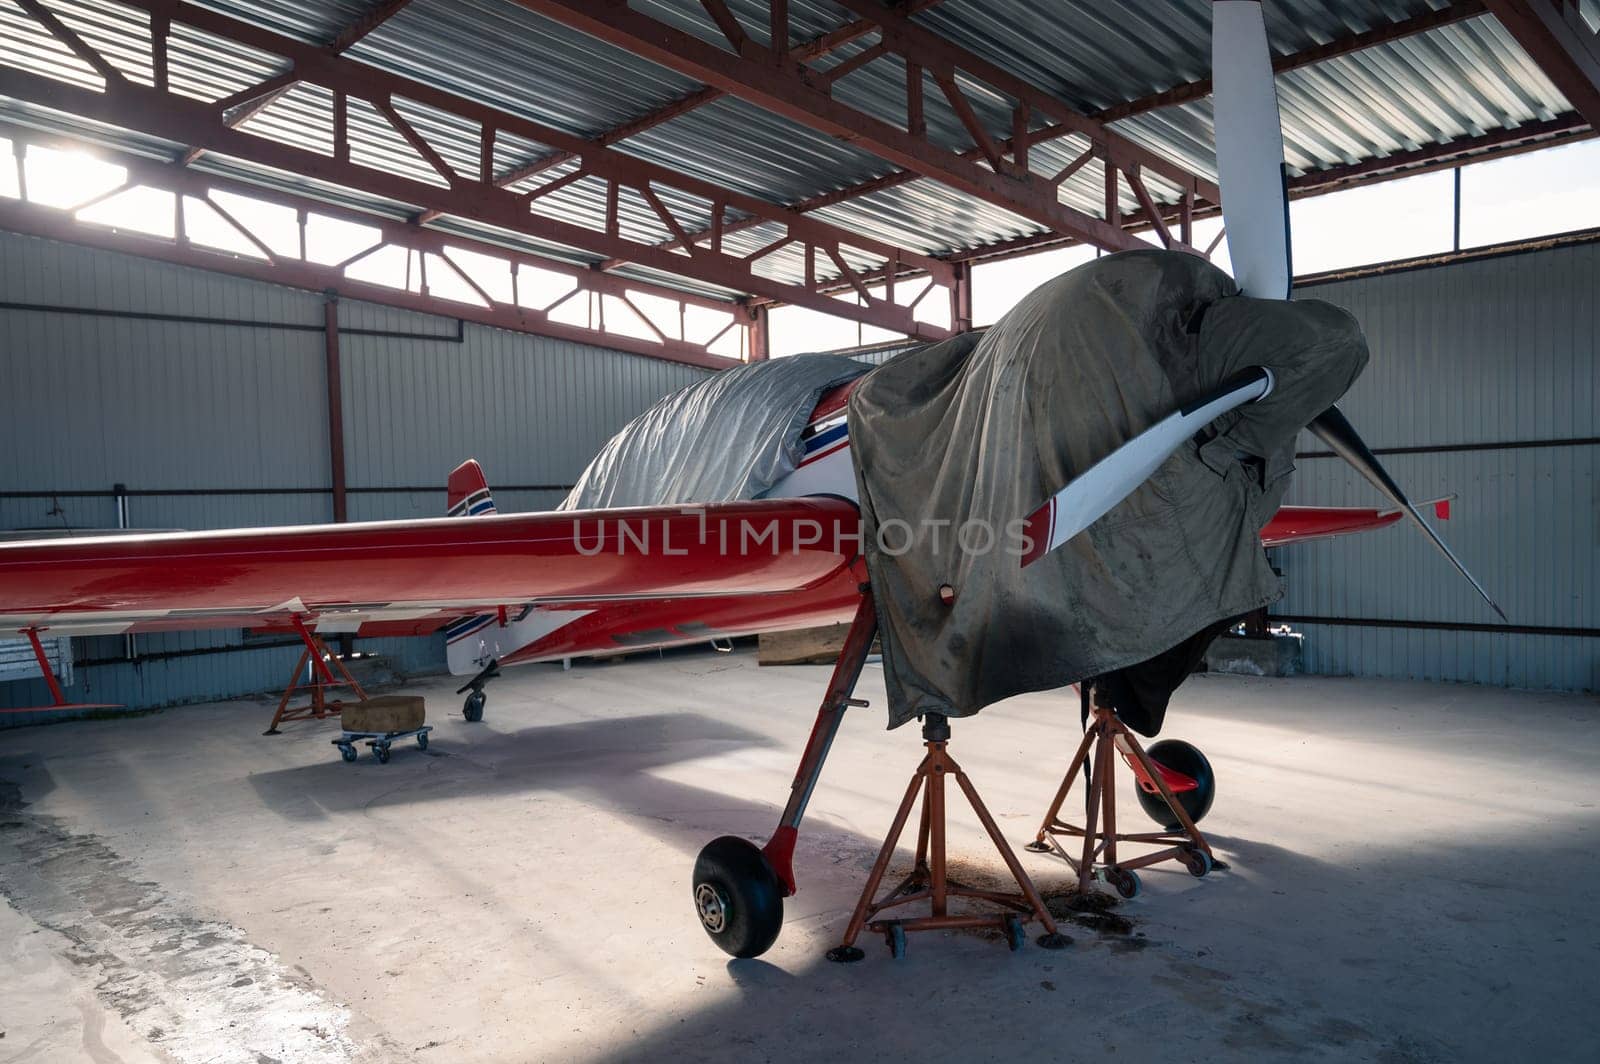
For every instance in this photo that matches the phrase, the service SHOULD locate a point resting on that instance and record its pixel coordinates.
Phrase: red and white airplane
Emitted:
(508, 589)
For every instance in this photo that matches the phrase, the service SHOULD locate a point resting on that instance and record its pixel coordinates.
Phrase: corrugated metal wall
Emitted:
(227, 425)
(1496, 351)
(1490, 352)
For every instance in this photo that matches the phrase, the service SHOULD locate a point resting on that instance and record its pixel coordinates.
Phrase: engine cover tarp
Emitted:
(728, 437)
(967, 435)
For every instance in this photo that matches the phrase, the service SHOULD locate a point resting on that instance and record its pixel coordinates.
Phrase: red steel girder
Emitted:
(55, 224)
(343, 41)
(1321, 53)
(1195, 90)
(756, 75)
(179, 118)
(813, 49)
(1555, 35)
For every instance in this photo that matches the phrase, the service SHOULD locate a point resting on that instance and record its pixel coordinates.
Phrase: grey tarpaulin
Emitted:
(966, 435)
(730, 436)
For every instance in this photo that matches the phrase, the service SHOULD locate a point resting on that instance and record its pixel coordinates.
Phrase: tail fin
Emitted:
(469, 491)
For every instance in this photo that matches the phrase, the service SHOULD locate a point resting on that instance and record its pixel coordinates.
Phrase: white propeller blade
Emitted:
(1100, 487)
(1249, 149)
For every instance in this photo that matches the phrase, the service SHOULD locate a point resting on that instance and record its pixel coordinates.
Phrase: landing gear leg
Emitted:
(739, 889)
(472, 708)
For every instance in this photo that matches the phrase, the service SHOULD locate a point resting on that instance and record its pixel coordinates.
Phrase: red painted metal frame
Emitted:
(58, 698)
(335, 382)
(759, 76)
(297, 272)
(176, 117)
(343, 41)
(1554, 33)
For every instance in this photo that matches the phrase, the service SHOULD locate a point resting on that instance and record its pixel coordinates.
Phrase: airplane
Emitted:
(511, 589)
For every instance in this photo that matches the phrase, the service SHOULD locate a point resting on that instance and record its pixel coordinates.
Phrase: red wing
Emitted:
(412, 576)
(1294, 524)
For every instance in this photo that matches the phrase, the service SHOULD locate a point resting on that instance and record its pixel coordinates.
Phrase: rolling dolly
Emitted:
(379, 742)
(380, 722)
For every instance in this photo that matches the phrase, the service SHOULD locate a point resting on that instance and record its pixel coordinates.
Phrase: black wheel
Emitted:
(347, 752)
(737, 896)
(422, 740)
(1180, 757)
(1016, 937)
(895, 937)
(1125, 881)
(381, 752)
(1197, 861)
(472, 708)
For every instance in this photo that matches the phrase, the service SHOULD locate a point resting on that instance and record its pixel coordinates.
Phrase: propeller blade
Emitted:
(1100, 487)
(1334, 429)
(1255, 211)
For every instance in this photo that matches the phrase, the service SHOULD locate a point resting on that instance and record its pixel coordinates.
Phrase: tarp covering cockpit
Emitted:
(730, 436)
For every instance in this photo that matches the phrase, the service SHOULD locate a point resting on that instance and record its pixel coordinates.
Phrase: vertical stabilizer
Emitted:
(468, 491)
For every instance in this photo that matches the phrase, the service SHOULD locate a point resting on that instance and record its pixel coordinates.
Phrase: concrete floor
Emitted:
(1413, 878)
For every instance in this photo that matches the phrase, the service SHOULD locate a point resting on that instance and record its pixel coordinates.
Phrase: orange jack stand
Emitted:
(322, 679)
(1106, 737)
(928, 880)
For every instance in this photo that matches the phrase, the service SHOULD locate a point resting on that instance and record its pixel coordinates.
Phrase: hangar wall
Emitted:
(221, 421)
(1486, 374)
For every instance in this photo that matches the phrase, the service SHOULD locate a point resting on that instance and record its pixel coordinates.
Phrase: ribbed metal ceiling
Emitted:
(1458, 80)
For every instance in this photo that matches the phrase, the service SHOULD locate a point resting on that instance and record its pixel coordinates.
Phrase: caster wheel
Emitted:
(1016, 937)
(1125, 882)
(347, 752)
(845, 954)
(381, 753)
(737, 897)
(1197, 861)
(895, 937)
(472, 708)
(1180, 757)
(422, 740)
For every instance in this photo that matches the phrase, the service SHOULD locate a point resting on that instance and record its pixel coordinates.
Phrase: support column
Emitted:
(760, 334)
(961, 299)
(330, 330)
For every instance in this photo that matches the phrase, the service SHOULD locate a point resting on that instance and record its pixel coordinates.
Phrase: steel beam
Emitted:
(1455, 12)
(1499, 144)
(175, 117)
(756, 75)
(1356, 42)
(51, 223)
(813, 49)
(1555, 35)
(284, 83)
(335, 378)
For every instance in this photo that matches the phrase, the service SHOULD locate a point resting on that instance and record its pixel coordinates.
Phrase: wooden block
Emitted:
(802, 646)
(385, 713)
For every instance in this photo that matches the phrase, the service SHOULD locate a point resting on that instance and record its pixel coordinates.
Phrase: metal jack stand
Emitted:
(1105, 737)
(320, 707)
(928, 879)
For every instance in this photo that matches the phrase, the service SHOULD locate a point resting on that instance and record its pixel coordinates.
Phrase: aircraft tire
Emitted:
(1187, 759)
(737, 897)
(472, 708)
